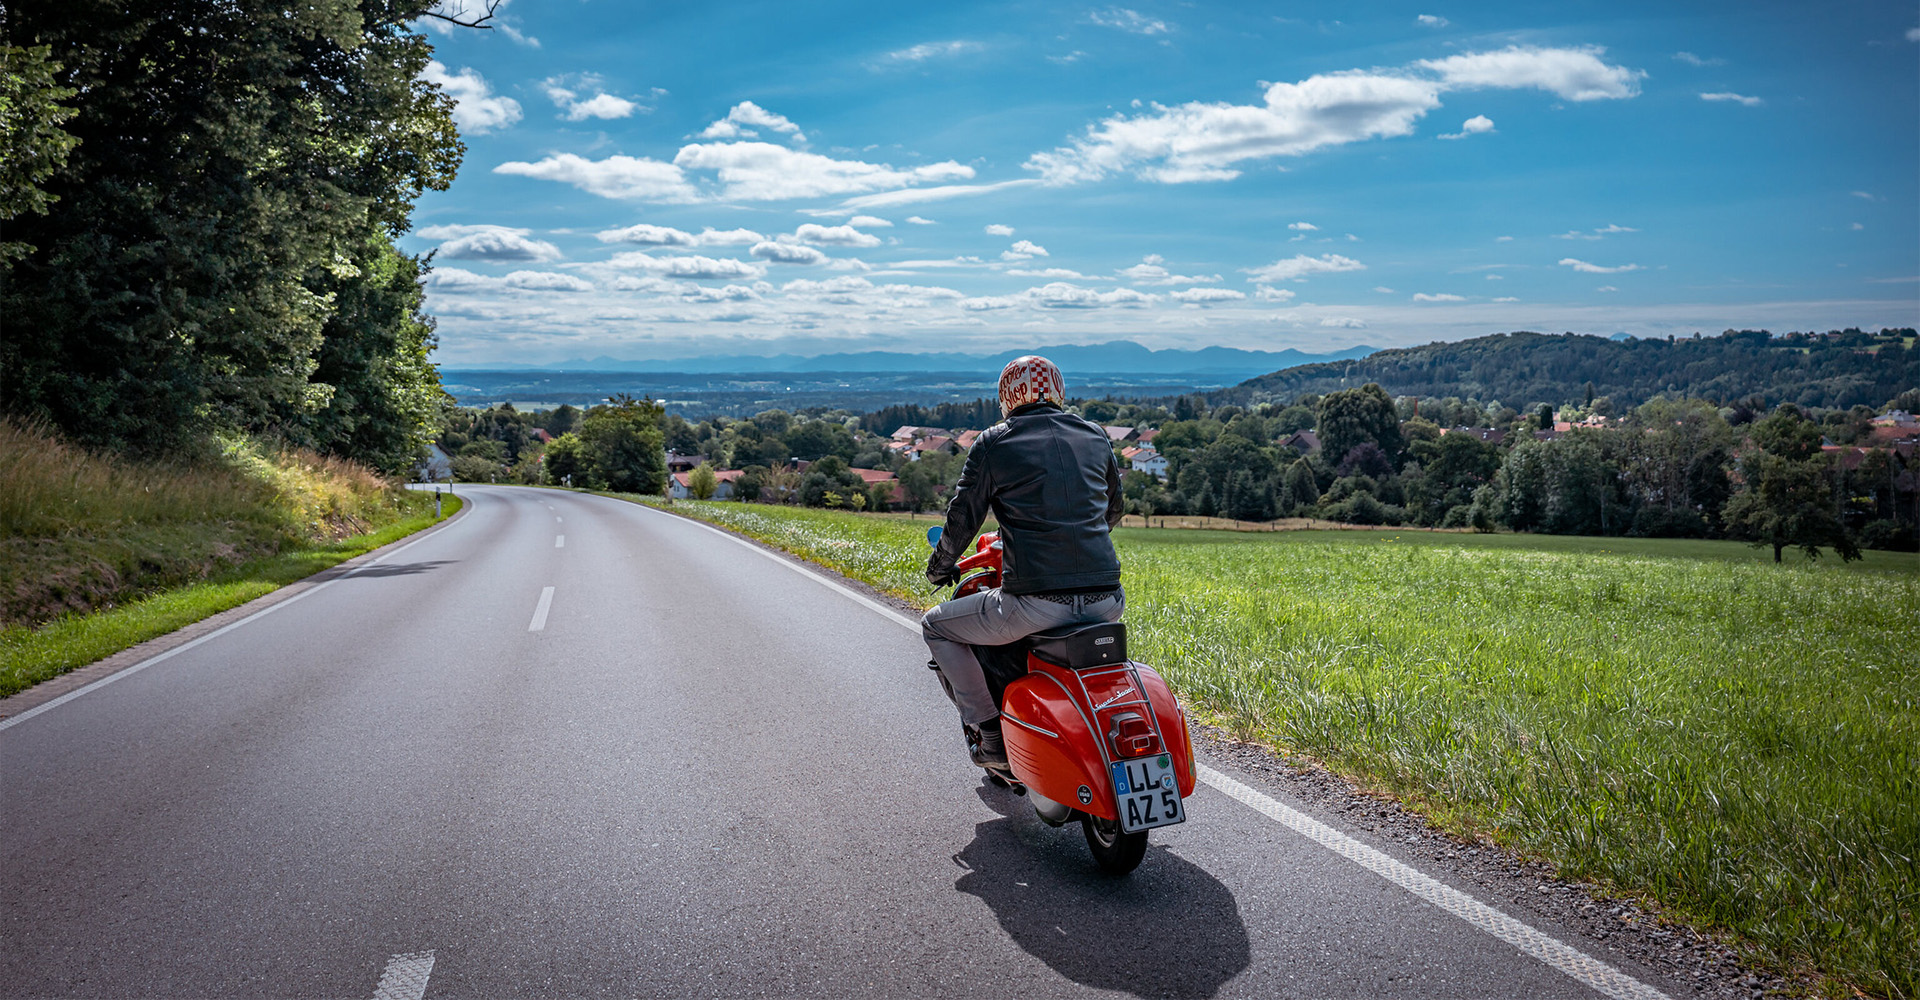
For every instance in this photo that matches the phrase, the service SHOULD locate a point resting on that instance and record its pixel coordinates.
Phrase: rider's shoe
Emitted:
(990, 751)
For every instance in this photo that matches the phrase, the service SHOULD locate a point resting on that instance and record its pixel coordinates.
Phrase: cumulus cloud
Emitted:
(728, 237)
(1304, 227)
(565, 93)
(1472, 126)
(619, 177)
(996, 229)
(1268, 293)
(1049, 272)
(494, 243)
(831, 236)
(787, 253)
(1506, 298)
(1728, 95)
(475, 107)
(1610, 229)
(869, 222)
(918, 221)
(1206, 296)
(646, 235)
(1433, 20)
(1606, 288)
(761, 171)
(1152, 271)
(1298, 267)
(454, 277)
(1343, 323)
(545, 281)
(1061, 295)
(1584, 267)
(1128, 20)
(746, 116)
(1022, 249)
(916, 195)
(929, 50)
(1575, 74)
(690, 267)
(1693, 60)
(1438, 297)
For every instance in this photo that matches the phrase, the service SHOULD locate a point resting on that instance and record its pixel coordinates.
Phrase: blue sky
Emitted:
(656, 181)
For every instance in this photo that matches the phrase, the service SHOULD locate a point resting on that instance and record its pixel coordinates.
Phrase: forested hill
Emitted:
(1521, 369)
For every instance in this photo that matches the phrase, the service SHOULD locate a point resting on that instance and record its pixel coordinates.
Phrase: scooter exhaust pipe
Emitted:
(1050, 812)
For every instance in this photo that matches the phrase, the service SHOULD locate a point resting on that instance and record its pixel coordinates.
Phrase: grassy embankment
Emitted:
(98, 554)
(1682, 720)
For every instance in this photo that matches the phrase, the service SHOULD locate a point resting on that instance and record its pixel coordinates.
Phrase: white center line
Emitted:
(540, 610)
(559, 541)
(556, 519)
(405, 977)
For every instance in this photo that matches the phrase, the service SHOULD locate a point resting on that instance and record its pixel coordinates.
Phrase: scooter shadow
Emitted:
(1167, 930)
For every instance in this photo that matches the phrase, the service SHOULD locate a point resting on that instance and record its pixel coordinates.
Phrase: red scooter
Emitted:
(1089, 733)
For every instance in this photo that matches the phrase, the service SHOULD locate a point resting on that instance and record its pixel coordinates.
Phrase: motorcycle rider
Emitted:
(1052, 483)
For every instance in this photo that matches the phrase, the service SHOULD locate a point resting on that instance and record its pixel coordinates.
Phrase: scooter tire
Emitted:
(1116, 852)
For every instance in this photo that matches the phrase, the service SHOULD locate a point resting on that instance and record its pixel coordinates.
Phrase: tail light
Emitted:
(1132, 736)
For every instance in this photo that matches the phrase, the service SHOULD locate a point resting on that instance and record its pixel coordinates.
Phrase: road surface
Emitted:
(569, 746)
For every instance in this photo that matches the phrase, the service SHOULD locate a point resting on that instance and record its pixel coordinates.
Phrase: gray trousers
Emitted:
(991, 618)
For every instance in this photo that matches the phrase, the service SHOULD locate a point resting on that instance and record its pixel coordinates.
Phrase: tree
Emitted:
(624, 448)
(35, 145)
(702, 482)
(1789, 502)
(918, 483)
(1788, 433)
(566, 462)
(1352, 417)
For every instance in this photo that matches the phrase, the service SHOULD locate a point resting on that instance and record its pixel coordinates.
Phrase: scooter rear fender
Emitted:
(1055, 749)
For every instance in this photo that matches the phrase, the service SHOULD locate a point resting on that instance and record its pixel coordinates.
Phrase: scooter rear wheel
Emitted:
(1116, 852)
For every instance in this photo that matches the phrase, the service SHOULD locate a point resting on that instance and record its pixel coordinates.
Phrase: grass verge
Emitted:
(31, 655)
(1684, 721)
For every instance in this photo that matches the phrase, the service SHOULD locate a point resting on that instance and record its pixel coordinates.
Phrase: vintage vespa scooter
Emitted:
(1089, 733)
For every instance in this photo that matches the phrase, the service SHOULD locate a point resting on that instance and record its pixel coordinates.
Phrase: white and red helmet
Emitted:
(1030, 379)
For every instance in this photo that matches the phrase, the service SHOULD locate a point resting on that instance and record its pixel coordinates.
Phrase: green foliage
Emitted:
(623, 447)
(702, 483)
(34, 144)
(1789, 434)
(1353, 417)
(1789, 503)
(239, 166)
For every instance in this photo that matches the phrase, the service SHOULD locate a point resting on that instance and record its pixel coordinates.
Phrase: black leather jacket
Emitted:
(1051, 481)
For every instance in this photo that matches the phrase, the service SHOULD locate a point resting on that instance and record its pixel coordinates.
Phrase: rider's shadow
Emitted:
(1167, 930)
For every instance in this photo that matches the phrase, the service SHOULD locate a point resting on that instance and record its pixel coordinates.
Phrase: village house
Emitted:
(1303, 442)
(1146, 459)
(1491, 435)
(679, 488)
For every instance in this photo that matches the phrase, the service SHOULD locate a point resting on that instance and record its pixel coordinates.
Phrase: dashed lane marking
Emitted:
(1575, 963)
(559, 541)
(540, 610)
(405, 977)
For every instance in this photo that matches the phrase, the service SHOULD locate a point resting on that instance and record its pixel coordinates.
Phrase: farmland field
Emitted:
(1686, 721)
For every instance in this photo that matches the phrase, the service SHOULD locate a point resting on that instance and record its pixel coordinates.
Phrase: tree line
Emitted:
(200, 202)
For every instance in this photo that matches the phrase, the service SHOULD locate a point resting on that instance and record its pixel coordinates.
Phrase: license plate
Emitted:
(1146, 793)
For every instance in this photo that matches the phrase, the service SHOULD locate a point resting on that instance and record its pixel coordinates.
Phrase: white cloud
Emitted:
(545, 281)
(1438, 297)
(1152, 271)
(1343, 323)
(495, 243)
(1382, 289)
(870, 222)
(1856, 227)
(1606, 288)
(1128, 20)
(1866, 195)
(646, 235)
(914, 196)
(1028, 248)
(1304, 227)
(454, 277)
(1268, 293)
(1693, 60)
(1584, 267)
(1506, 298)
(831, 236)
(996, 229)
(1297, 268)
(930, 50)
(918, 221)
(1433, 21)
(475, 107)
(1728, 95)
(619, 177)
(689, 266)
(787, 253)
(564, 91)
(747, 116)
(1913, 34)
(601, 106)
(1472, 126)
(1060, 295)
(725, 293)
(1206, 296)
(1503, 239)
(1496, 277)
(1576, 74)
(1049, 272)
(1610, 229)
(761, 171)
(728, 237)
(990, 302)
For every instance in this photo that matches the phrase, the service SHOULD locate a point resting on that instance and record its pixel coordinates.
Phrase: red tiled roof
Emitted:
(871, 476)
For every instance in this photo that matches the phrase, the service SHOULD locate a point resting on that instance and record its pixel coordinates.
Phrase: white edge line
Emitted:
(405, 977)
(1546, 948)
(14, 720)
(559, 541)
(539, 622)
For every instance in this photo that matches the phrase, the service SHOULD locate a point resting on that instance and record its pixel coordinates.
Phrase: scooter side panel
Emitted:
(1173, 726)
(1060, 765)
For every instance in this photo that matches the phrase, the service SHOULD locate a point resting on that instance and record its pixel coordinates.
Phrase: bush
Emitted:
(1890, 536)
(474, 469)
(1364, 508)
(1458, 516)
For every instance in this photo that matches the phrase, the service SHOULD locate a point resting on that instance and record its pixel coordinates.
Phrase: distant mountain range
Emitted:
(1226, 364)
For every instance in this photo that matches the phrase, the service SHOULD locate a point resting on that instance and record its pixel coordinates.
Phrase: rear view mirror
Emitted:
(933, 534)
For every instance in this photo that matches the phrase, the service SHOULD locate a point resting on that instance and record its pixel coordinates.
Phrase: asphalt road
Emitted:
(702, 774)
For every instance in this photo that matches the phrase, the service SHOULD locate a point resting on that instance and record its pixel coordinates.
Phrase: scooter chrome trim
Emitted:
(1028, 725)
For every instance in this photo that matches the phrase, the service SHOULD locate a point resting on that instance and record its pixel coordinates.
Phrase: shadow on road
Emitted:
(1167, 930)
(404, 569)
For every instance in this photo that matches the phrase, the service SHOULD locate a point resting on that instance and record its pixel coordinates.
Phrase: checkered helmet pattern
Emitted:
(1030, 379)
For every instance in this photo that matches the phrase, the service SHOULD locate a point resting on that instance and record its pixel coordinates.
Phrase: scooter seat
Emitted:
(1077, 647)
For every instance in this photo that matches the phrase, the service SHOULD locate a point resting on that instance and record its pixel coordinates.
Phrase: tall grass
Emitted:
(1735, 739)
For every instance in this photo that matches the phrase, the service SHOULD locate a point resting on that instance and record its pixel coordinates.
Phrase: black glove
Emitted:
(941, 574)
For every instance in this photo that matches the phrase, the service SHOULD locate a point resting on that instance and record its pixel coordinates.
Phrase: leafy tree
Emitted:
(829, 479)
(817, 439)
(702, 482)
(1300, 486)
(751, 483)
(624, 448)
(1788, 433)
(1789, 503)
(567, 461)
(1353, 417)
(30, 132)
(916, 480)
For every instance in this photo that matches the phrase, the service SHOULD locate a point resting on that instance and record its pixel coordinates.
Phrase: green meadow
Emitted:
(1683, 721)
